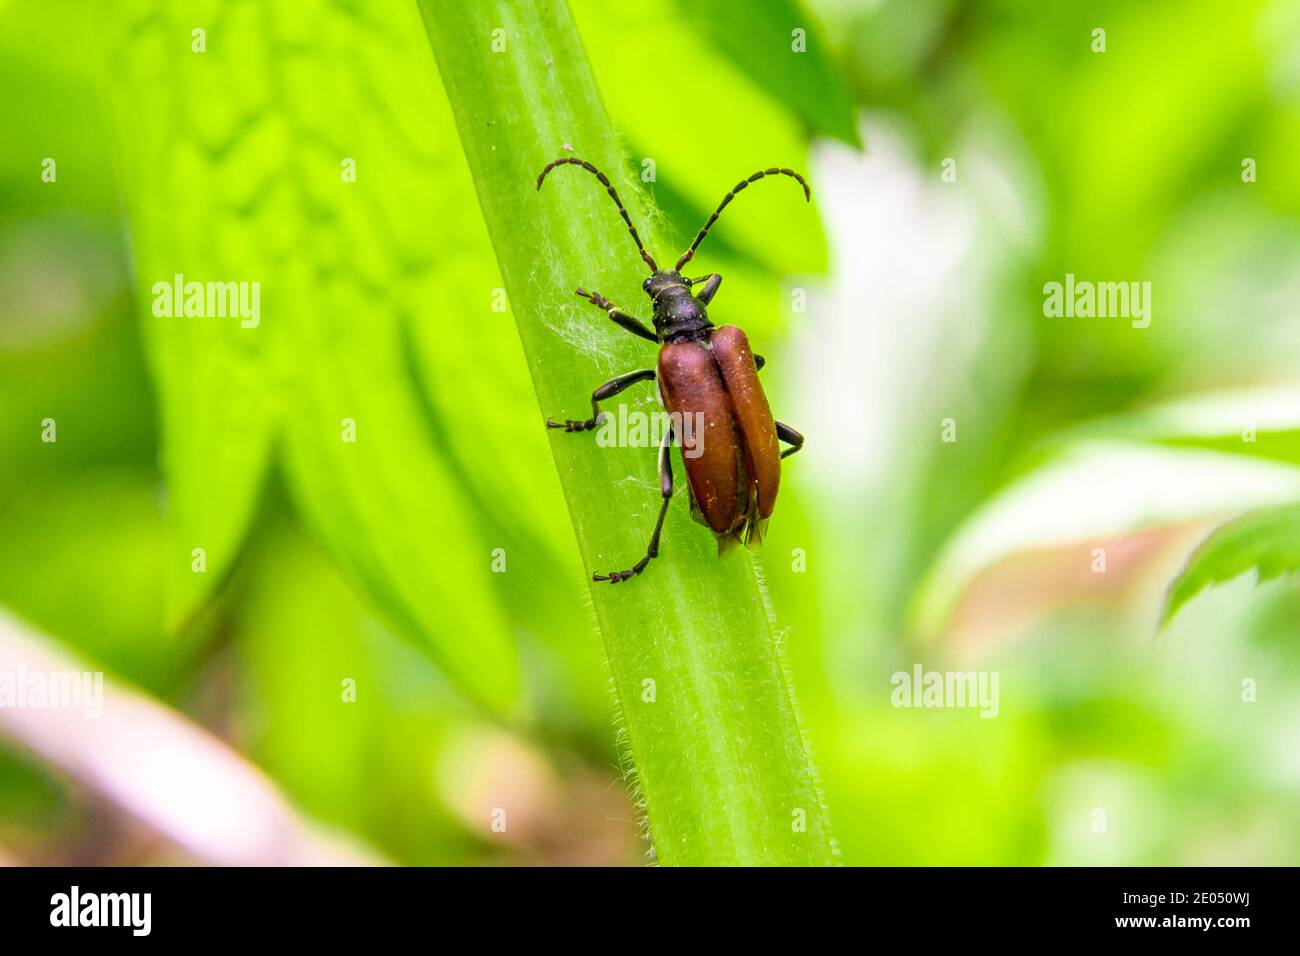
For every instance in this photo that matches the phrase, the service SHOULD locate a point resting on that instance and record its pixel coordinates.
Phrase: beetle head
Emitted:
(664, 280)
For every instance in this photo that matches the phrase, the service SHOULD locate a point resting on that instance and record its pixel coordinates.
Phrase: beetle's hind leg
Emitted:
(790, 437)
(608, 390)
(666, 489)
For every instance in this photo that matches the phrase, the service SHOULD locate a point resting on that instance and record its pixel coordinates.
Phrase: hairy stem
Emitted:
(708, 716)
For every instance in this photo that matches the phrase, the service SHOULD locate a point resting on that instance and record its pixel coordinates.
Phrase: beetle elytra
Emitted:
(706, 371)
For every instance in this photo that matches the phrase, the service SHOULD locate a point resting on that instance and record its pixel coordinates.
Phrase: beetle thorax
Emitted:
(677, 313)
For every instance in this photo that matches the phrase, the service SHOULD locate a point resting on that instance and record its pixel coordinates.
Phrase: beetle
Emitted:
(706, 372)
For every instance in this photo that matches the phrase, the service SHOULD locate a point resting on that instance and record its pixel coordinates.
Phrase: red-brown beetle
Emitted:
(707, 373)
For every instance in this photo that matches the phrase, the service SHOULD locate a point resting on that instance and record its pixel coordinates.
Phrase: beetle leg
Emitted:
(711, 283)
(665, 489)
(608, 390)
(629, 322)
(790, 437)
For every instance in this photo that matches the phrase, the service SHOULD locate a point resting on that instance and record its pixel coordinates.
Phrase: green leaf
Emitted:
(116, 618)
(471, 371)
(297, 616)
(1266, 541)
(235, 163)
(1262, 422)
(650, 71)
(218, 417)
(1090, 491)
(1057, 494)
(707, 713)
(797, 70)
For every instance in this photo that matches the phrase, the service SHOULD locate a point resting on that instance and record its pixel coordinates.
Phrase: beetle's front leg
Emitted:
(790, 437)
(665, 489)
(608, 390)
(629, 322)
(711, 283)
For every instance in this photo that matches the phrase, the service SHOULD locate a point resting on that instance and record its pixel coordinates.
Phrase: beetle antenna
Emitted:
(807, 195)
(613, 193)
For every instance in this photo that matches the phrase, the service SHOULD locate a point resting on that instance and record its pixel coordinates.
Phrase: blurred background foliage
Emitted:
(924, 302)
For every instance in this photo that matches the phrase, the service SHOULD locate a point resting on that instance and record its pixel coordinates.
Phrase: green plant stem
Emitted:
(707, 712)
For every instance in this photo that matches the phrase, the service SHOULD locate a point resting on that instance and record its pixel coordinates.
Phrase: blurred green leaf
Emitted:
(651, 72)
(357, 699)
(468, 364)
(81, 558)
(1054, 495)
(1266, 541)
(217, 413)
(1261, 423)
(1092, 490)
(237, 163)
(778, 45)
